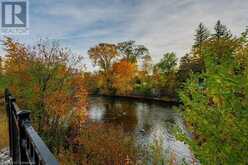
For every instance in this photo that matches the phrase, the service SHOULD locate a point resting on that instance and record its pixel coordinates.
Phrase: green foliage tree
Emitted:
(215, 103)
(165, 76)
(167, 63)
(221, 42)
(185, 68)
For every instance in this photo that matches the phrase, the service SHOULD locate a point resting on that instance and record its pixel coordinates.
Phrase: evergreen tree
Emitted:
(221, 31)
(201, 35)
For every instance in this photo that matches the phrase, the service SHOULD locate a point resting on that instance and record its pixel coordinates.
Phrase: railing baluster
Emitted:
(7, 106)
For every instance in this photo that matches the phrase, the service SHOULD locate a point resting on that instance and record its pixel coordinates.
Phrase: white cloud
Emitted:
(169, 25)
(161, 25)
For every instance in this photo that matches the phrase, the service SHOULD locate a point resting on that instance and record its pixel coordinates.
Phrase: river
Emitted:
(146, 120)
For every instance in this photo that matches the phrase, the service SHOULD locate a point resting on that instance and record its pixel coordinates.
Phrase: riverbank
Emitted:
(172, 101)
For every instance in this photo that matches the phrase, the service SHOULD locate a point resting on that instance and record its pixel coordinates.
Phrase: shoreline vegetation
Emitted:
(171, 101)
(4, 135)
(211, 82)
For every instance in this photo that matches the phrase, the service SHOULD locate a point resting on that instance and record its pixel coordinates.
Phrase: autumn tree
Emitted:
(16, 64)
(123, 77)
(45, 81)
(131, 51)
(89, 77)
(104, 55)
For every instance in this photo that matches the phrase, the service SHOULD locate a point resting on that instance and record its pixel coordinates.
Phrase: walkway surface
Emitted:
(4, 157)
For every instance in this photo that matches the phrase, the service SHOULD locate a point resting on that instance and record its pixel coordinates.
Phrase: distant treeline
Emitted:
(127, 69)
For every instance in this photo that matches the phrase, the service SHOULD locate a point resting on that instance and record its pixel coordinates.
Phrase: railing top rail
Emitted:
(40, 147)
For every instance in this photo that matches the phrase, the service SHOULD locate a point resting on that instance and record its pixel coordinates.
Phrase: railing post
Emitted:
(23, 118)
(9, 99)
(15, 135)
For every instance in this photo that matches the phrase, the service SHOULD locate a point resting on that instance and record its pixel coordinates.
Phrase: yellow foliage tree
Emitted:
(43, 79)
(124, 73)
(104, 55)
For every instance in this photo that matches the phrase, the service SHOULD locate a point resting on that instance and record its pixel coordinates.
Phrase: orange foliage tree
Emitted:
(123, 77)
(45, 81)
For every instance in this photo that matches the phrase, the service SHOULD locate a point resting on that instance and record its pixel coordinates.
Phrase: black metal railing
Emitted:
(25, 145)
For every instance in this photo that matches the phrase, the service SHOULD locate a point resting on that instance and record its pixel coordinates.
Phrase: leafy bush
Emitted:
(103, 144)
(215, 106)
(3, 128)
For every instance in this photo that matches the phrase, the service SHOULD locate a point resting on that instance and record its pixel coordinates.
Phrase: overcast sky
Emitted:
(161, 25)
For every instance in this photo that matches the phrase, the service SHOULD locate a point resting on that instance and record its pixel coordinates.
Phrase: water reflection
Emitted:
(146, 120)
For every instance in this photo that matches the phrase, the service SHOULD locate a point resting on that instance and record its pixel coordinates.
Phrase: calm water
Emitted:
(146, 120)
